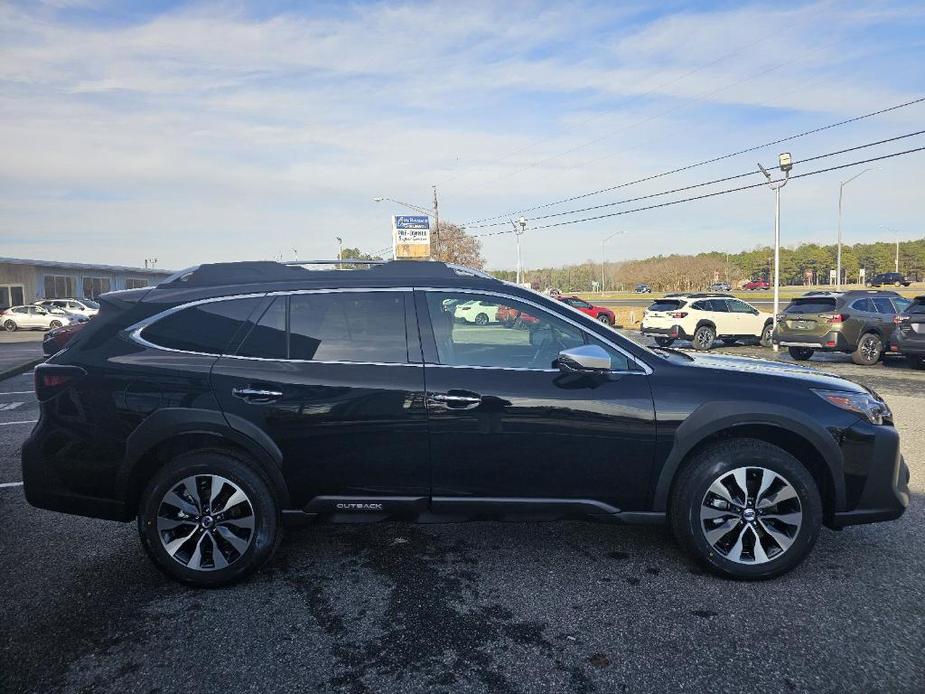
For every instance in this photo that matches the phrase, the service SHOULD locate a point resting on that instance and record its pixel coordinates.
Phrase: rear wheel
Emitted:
(746, 509)
(800, 353)
(481, 319)
(9, 326)
(208, 519)
(869, 350)
(54, 324)
(664, 341)
(605, 319)
(765, 339)
(704, 337)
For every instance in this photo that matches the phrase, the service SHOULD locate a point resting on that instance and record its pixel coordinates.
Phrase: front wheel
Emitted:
(746, 509)
(869, 350)
(765, 339)
(208, 519)
(54, 324)
(664, 341)
(704, 337)
(9, 326)
(800, 353)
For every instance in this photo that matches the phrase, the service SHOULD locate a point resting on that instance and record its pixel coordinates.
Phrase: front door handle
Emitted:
(457, 400)
(251, 394)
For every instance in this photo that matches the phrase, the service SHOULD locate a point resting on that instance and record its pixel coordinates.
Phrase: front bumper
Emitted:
(876, 476)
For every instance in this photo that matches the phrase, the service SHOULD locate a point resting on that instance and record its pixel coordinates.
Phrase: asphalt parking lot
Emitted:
(575, 607)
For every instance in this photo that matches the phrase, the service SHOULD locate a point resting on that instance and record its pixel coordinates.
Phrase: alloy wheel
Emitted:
(751, 515)
(870, 348)
(205, 522)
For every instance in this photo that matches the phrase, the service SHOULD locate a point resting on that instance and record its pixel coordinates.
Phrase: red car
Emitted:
(509, 317)
(756, 285)
(56, 338)
(604, 315)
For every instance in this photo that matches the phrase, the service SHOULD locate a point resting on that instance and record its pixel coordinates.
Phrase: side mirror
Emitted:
(584, 359)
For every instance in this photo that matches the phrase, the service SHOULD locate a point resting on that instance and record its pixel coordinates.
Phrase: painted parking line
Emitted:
(5, 406)
(25, 421)
(10, 484)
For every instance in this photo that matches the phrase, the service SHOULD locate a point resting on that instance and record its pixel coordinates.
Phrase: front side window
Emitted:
(578, 303)
(739, 306)
(533, 341)
(348, 326)
(206, 328)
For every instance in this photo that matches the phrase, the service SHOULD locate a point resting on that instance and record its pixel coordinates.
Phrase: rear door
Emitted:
(335, 379)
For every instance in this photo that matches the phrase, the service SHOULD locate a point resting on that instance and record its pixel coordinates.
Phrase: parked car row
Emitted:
(61, 318)
(863, 323)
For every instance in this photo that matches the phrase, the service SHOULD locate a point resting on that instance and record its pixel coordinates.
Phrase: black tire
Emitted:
(664, 341)
(54, 324)
(704, 337)
(765, 339)
(605, 319)
(800, 353)
(869, 350)
(9, 326)
(262, 539)
(897, 284)
(915, 361)
(481, 319)
(690, 496)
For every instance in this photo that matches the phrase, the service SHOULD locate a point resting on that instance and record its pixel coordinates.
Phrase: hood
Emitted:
(765, 368)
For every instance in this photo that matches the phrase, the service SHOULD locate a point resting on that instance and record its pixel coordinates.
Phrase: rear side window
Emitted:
(267, 339)
(901, 304)
(206, 328)
(863, 305)
(883, 304)
(348, 326)
(666, 305)
(811, 305)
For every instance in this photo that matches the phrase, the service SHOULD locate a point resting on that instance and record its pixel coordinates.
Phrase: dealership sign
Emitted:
(411, 236)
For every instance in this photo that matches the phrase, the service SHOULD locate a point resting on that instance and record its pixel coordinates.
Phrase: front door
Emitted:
(330, 377)
(507, 427)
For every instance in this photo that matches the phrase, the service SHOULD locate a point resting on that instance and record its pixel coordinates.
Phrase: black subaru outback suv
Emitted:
(233, 399)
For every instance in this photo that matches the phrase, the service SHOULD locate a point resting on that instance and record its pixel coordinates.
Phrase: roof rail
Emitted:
(345, 261)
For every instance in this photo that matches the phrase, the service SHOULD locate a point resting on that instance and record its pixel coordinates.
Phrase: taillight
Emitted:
(897, 319)
(678, 314)
(833, 317)
(51, 379)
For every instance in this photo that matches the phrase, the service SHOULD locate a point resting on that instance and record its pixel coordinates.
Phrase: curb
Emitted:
(15, 370)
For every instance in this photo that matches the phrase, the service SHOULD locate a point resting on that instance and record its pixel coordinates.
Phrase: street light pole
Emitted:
(603, 257)
(436, 249)
(786, 163)
(841, 192)
(519, 228)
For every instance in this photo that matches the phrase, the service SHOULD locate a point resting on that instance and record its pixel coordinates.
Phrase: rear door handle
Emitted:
(457, 400)
(251, 394)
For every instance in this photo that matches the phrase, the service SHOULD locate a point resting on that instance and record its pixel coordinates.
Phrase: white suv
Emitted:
(703, 318)
(80, 307)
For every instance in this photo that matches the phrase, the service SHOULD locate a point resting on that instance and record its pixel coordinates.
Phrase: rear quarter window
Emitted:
(666, 305)
(812, 305)
(206, 328)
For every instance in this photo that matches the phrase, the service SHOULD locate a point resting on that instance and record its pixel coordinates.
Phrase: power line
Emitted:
(700, 163)
(708, 195)
(699, 185)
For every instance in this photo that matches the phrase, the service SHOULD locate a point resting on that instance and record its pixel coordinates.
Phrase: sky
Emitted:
(208, 131)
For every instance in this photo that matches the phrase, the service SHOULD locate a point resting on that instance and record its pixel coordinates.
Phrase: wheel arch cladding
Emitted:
(171, 431)
(809, 443)
(705, 322)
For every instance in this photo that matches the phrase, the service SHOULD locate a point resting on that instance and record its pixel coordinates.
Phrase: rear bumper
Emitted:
(903, 344)
(833, 341)
(675, 332)
(876, 476)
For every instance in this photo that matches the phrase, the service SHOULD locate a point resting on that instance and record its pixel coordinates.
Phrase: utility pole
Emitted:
(150, 263)
(436, 240)
(841, 192)
(340, 248)
(520, 226)
(786, 163)
(603, 257)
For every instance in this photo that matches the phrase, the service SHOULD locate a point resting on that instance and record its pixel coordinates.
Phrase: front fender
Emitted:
(714, 417)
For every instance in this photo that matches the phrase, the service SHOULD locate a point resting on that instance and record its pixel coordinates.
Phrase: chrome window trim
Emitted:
(134, 331)
(646, 370)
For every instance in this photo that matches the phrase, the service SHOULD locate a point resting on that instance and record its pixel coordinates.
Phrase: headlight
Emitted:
(866, 404)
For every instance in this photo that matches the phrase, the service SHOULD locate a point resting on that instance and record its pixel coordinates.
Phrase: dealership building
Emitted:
(25, 281)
